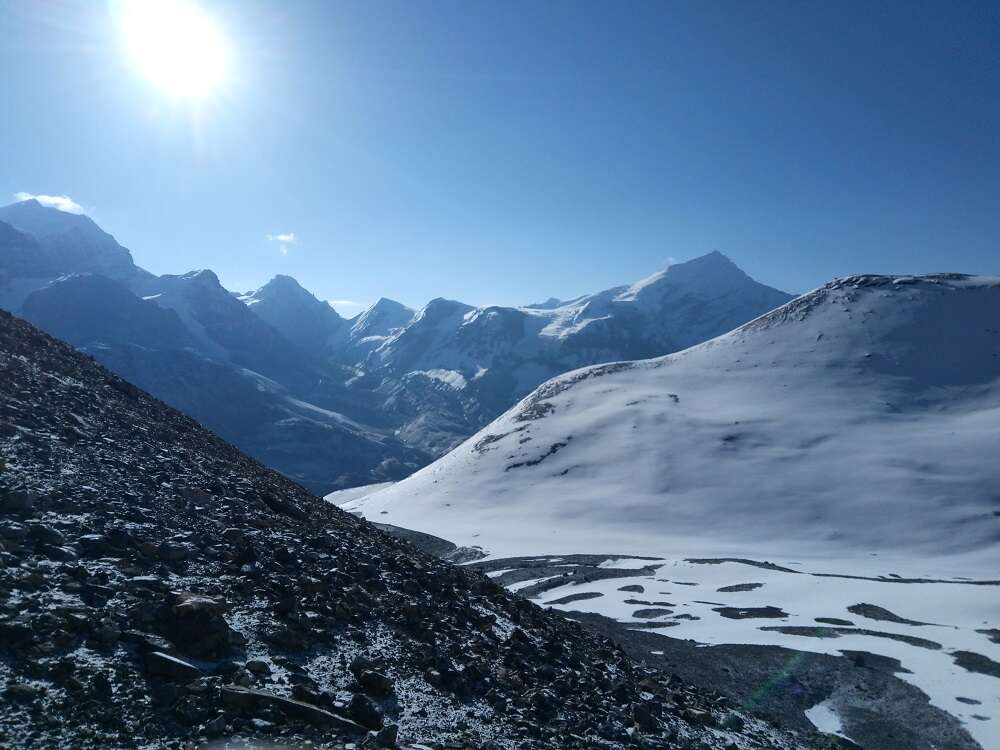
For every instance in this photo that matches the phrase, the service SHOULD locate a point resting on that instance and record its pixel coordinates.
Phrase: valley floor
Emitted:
(936, 633)
(896, 653)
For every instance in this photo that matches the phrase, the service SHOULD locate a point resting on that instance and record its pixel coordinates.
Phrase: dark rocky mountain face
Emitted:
(161, 589)
(200, 349)
(227, 331)
(297, 315)
(67, 243)
(67, 309)
(276, 420)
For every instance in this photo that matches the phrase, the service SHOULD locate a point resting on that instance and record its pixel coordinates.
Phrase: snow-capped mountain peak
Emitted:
(68, 243)
(45, 221)
(382, 318)
(711, 273)
(306, 321)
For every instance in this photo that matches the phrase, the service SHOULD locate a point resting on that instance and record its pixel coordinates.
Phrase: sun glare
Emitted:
(175, 45)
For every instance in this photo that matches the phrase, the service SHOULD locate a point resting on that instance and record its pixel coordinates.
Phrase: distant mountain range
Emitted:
(336, 402)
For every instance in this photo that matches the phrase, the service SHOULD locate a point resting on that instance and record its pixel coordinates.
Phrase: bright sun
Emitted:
(175, 45)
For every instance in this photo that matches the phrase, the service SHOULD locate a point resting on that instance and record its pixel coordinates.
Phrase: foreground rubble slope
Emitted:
(161, 589)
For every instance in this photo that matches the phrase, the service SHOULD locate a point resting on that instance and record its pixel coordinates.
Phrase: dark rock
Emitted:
(17, 501)
(216, 727)
(46, 534)
(258, 667)
(21, 693)
(195, 625)
(160, 664)
(388, 736)
(364, 711)
(375, 683)
(244, 700)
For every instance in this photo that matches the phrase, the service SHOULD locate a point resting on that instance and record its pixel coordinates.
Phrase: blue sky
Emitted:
(505, 152)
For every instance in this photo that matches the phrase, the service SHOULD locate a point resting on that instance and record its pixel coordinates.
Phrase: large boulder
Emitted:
(195, 625)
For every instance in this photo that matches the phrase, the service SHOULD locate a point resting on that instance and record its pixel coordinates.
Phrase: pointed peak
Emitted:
(711, 266)
(712, 258)
(381, 318)
(384, 303)
(282, 284)
(706, 273)
(43, 219)
(442, 303)
(201, 276)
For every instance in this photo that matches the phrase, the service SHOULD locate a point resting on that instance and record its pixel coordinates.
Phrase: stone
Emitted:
(235, 537)
(17, 501)
(152, 583)
(46, 534)
(375, 683)
(22, 693)
(94, 545)
(172, 552)
(388, 736)
(258, 667)
(172, 668)
(246, 700)
(13, 531)
(364, 711)
(216, 727)
(194, 623)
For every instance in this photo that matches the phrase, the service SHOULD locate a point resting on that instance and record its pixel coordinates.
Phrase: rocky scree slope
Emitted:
(160, 589)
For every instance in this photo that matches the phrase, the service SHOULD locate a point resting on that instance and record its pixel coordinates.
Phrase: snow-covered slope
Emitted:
(670, 310)
(457, 366)
(861, 415)
(380, 320)
(824, 478)
(367, 331)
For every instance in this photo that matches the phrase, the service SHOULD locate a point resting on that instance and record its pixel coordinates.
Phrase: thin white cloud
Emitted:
(61, 202)
(284, 239)
(344, 303)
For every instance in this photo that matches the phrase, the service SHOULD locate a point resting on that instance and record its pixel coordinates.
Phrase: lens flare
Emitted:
(175, 45)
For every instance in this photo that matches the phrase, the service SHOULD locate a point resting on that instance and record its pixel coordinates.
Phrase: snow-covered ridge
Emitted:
(863, 411)
(806, 479)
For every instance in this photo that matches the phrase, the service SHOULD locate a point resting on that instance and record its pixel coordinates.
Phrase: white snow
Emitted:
(781, 435)
(825, 719)
(853, 431)
(451, 378)
(340, 497)
(954, 610)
